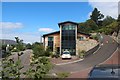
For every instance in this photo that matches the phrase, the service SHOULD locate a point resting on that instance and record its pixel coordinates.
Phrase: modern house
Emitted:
(65, 39)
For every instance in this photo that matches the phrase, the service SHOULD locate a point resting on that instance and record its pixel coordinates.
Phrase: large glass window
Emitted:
(50, 43)
(68, 38)
(68, 27)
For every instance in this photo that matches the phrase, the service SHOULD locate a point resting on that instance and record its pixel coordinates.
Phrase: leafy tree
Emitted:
(4, 47)
(108, 20)
(29, 46)
(38, 50)
(82, 27)
(88, 26)
(48, 52)
(11, 68)
(109, 29)
(43, 67)
(96, 15)
(37, 43)
(4, 52)
(19, 45)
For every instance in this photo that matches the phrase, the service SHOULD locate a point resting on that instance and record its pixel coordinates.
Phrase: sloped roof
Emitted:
(51, 33)
(59, 32)
(84, 33)
(67, 22)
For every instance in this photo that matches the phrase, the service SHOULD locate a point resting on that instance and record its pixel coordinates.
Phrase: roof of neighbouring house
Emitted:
(84, 33)
(67, 22)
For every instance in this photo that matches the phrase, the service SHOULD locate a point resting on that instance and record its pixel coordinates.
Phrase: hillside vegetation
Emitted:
(99, 23)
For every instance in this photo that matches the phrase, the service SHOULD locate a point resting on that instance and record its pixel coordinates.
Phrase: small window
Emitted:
(81, 38)
(50, 38)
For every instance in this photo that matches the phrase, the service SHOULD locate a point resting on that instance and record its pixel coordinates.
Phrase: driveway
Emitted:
(107, 49)
(25, 58)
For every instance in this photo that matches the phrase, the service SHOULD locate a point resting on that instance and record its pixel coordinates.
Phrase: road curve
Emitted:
(100, 56)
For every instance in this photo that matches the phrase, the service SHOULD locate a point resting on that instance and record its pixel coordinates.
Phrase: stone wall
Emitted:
(86, 44)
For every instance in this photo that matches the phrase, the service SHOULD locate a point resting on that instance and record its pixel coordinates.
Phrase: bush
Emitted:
(95, 37)
(48, 52)
(43, 66)
(81, 53)
(63, 74)
(38, 51)
(56, 56)
(28, 46)
(5, 54)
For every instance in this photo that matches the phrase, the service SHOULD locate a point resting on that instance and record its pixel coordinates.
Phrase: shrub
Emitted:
(63, 74)
(28, 46)
(95, 37)
(48, 52)
(81, 53)
(38, 50)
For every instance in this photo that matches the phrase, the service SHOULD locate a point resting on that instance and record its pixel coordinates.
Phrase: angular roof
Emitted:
(59, 32)
(51, 33)
(67, 22)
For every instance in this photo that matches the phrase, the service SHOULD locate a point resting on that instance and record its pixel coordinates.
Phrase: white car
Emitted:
(66, 55)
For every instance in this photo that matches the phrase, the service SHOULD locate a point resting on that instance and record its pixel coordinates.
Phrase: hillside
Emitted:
(7, 41)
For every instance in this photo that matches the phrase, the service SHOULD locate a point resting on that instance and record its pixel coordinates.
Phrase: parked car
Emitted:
(66, 55)
(105, 72)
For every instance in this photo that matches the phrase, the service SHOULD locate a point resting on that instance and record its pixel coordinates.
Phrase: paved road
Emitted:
(101, 55)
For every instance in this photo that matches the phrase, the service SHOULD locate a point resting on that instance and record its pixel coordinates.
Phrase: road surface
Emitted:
(107, 49)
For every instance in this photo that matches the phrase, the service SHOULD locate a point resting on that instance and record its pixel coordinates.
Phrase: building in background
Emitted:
(65, 39)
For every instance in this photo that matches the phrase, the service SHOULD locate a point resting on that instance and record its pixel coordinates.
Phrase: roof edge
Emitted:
(51, 33)
(67, 22)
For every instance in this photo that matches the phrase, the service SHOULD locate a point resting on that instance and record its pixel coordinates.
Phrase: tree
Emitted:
(108, 20)
(96, 15)
(28, 46)
(38, 50)
(43, 67)
(88, 26)
(82, 27)
(19, 45)
(11, 69)
(109, 29)
(48, 52)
